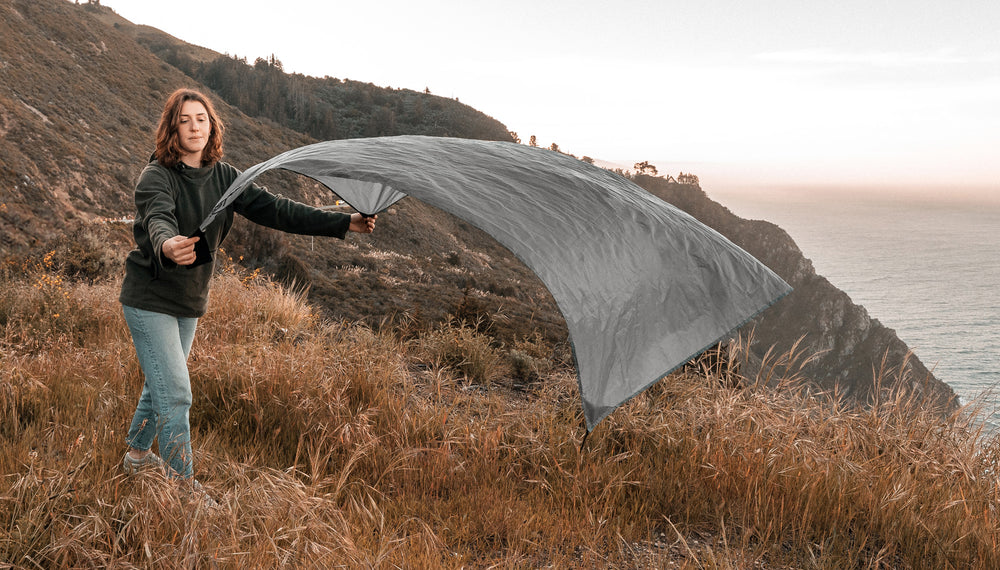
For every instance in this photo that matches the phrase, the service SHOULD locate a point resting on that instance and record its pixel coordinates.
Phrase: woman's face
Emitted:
(193, 129)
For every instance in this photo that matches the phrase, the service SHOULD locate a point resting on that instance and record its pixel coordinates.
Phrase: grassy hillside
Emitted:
(67, 159)
(80, 94)
(80, 91)
(78, 104)
(333, 445)
(415, 406)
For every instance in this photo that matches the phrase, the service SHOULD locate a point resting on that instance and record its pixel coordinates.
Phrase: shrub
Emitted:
(42, 307)
(458, 346)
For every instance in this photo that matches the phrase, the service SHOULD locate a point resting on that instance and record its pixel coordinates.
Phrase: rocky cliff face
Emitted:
(850, 352)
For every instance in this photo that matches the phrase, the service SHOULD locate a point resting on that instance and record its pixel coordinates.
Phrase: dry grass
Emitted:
(331, 445)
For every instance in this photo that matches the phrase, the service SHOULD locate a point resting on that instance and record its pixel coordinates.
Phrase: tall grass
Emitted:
(333, 445)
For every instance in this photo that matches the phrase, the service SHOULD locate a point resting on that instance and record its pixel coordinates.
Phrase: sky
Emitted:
(890, 93)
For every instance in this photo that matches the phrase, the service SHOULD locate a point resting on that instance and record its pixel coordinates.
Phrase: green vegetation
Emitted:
(329, 108)
(340, 445)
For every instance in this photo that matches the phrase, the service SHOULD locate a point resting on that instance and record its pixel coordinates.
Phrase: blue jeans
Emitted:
(163, 343)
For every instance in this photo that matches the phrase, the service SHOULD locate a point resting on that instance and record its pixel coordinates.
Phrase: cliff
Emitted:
(849, 350)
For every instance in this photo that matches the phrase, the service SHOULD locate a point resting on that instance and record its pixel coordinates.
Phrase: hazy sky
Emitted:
(765, 93)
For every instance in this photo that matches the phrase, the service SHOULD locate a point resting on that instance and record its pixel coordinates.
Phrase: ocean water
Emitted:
(926, 265)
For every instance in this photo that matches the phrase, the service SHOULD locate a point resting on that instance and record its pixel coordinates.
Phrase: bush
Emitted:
(41, 307)
(91, 252)
(458, 346)
(531, 359)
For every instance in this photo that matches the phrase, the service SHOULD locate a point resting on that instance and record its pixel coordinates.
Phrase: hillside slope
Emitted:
(78, 101)
(78, 104)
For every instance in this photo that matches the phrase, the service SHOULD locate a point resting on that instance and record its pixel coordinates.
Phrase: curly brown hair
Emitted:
(168, 146)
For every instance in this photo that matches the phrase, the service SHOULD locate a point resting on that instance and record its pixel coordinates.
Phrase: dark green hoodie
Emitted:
(174, 201)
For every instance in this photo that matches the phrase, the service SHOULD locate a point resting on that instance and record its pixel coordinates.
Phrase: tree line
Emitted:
(647, 169)
(329, 108)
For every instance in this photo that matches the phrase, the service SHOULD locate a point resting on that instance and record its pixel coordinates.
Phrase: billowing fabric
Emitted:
(643, 286)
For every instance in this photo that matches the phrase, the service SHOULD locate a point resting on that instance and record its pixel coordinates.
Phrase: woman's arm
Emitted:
(267, 209)
(156, 209)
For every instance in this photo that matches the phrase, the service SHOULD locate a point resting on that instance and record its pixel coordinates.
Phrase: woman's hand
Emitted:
(362, 224)
(180, 249)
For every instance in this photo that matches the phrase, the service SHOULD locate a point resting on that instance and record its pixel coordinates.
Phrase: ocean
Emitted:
(926, 265)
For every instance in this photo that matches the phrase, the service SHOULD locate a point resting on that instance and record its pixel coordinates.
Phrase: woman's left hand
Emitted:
(362, 224)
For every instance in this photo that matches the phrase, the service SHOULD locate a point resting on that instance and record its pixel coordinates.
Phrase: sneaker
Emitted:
(133, 466)
(198, 492)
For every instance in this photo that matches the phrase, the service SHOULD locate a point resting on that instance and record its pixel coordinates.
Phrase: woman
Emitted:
(164, 291)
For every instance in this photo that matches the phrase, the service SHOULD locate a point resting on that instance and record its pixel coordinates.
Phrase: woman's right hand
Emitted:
(362, 224)
(180, 249)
